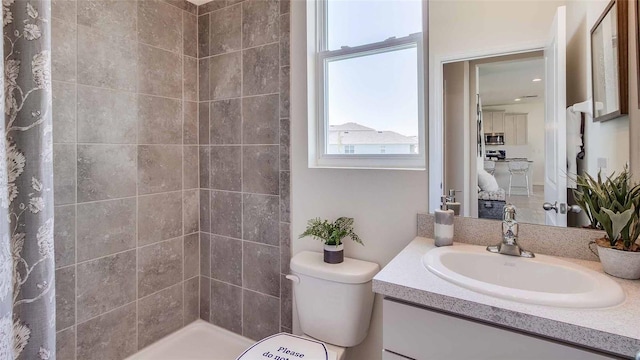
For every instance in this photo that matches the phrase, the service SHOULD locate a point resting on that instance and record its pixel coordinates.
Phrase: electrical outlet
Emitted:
(602, 163)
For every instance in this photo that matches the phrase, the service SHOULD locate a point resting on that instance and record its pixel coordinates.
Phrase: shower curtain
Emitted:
(27, 282)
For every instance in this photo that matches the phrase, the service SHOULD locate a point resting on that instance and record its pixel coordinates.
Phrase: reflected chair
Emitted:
(490, 166)
(518, 168)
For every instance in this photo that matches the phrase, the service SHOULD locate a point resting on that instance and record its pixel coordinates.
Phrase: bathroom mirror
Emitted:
(511, 110)
(609, 62)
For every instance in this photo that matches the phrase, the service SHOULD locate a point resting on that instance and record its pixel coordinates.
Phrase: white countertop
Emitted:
(615, 329)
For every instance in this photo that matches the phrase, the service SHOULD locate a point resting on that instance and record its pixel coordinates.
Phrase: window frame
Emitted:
(322, 58)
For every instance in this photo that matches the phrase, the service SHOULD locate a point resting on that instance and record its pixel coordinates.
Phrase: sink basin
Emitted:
(543, 280)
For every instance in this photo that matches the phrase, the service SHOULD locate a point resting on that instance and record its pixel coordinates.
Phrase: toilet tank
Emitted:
(334, 301)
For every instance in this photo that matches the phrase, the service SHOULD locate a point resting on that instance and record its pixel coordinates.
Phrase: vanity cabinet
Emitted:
(413, 332)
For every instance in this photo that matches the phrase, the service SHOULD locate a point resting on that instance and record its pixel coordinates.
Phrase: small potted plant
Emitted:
(613, 205)
(331, 234)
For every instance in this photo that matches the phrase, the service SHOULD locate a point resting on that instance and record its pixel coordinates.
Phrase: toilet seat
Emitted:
(287, 346)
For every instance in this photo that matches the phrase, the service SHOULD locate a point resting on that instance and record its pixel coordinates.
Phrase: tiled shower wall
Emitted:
(243, 53)
(126, 173)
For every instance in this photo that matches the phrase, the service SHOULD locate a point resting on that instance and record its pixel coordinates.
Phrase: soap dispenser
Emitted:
(443, 229)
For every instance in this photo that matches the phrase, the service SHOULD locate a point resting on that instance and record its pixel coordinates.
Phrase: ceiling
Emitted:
(503, 82)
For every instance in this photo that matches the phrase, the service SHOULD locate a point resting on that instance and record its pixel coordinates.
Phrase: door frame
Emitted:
(436, 120)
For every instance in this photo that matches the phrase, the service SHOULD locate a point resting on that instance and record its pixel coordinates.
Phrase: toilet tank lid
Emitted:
(351, 271)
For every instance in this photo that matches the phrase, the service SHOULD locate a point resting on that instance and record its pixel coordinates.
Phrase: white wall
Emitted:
(384, 203)
(534, 150)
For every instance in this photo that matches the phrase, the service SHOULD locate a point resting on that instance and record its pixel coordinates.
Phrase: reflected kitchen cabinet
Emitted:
(515, 129)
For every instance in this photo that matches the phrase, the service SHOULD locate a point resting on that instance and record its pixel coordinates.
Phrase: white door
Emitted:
(555, 174)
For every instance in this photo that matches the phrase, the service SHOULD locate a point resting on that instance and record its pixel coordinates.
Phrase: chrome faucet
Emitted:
(509, 244)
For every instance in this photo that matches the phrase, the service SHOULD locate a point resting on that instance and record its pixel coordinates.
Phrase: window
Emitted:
(369, 84)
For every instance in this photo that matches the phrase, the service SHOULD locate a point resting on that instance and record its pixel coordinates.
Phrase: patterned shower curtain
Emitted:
(27, 283)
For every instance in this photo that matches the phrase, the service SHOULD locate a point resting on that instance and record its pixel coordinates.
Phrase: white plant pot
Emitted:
(618, 263)
(334, 254)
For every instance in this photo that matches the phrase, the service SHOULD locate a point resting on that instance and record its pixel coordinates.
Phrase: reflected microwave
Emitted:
(494, 139)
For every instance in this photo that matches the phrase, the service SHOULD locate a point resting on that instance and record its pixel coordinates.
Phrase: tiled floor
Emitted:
(529, 208)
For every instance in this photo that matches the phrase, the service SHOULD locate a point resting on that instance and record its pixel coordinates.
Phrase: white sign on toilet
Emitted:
(285, 346)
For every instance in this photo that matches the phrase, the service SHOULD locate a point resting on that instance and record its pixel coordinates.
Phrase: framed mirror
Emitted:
(609, 62)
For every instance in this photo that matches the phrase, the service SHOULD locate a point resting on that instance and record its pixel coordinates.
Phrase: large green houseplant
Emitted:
(612, 204)
(332, 234)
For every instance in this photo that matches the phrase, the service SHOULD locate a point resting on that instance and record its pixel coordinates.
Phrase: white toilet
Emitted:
(334, 304)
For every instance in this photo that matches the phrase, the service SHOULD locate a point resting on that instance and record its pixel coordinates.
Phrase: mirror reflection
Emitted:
(521, 100)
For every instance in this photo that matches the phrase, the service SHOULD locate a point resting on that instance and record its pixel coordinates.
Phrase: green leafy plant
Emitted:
(331, 233)
(612, 205)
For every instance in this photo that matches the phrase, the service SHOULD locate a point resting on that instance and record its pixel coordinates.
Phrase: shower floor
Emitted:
(198, 340)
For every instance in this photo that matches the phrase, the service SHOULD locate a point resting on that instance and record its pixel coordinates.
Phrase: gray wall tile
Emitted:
(285, 143)
(203, 158)
(66, 344)
(285, 39)
(225, 30)
(159, 315)
(225, 76)
(211, 6)
(205, 251)
(190, 123)
(64, 10)
(205, 211)
(225, 167)
(226, 214)
(260, 166)
(105, 284)
(260, 119)
(285, 101)
(64, 112)
(285, 196)
(96, 337)
(205, 298)
(260, 21)
(226, 259)
(110, 17)
(203, 35)
(261, 315)
(285, 6)
(261, 268)
(105, 227)
(203, 123)
(203, 79)
(159, 168)
(285, 247)
(159, 72)
(106, 172)
(191, 300)
(64, 39)
(64, 235)
(160, 25)
(190, 208)
(226, 122)
(226, 306)
(159, 217)
(190, 78)
(286, 303)
(261, 218)
(191, 255)
(106, 60)
(106, 116)
(190, 177)
(159, 120)
(190, 34)
(159, 266)
(65, 297)
(260, 70)
(64, 173)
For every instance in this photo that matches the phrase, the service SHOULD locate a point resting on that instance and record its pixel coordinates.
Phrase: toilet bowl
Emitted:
(334, 304)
